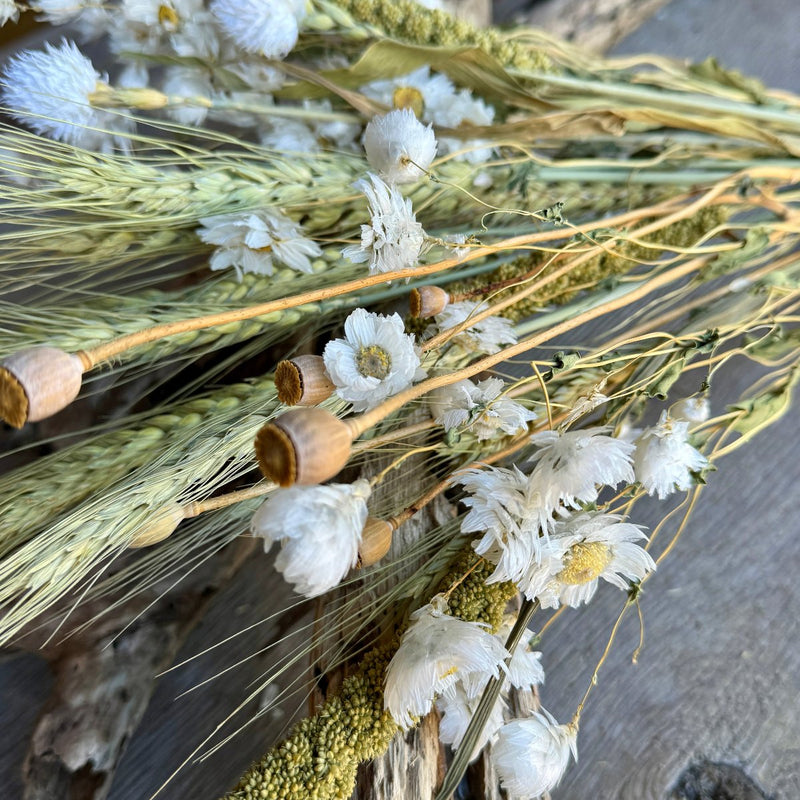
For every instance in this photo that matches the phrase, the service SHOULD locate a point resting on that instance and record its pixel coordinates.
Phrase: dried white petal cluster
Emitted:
(531, 755)
(664, 460)
(435, 652)
(375, 360)
(399, 147)
(319, 528)
(255, 241)
(484, 336)
(268, 27)
(479, 409)
(393, 239)
(50, 91)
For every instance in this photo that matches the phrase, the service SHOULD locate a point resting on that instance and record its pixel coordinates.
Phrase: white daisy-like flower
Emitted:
(464, 107)
(691, 409)
(664, 460)
(290, 136)
(479, 408)
(269, 27)
(375, 360)
(501, 509)
(186, 83)
(340, 134)
(8, 11)
(582, 550)
(525, 668)
(399, 147)
(255, 241)
(570, 466)
(393, 239)
(434, 653)
(50, 92)
(531, 755)
(319, 528)
(485, 336)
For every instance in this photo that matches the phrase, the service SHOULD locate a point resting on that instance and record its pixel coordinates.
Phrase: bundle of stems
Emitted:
(625, 229)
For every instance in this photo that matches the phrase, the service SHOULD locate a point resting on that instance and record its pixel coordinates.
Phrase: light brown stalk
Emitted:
(714, 196)
(108, 350)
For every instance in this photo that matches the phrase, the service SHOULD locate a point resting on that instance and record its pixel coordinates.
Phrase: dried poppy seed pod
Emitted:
(303, 381)
(376, 539)
(160, 526)
(304, 445)
(428, 301)
(36, 383)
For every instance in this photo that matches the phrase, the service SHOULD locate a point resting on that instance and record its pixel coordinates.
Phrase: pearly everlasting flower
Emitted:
(8, 11)
(375, 360)
(691, 409)
(255, 241)
(531, 755)
(319, 528)
(479, 409)
(571, 465)
(290, 136)
(664, 460)
(457, 708)
(485, 336)
(502, 510)
(583, 549)
(185, 83)
(50, 91)
(435, 99)
(435, 652)
(268, 27)
(393, 239)
(399, 147)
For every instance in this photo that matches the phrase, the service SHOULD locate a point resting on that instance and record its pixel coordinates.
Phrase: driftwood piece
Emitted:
(104, 677)
(595, 25)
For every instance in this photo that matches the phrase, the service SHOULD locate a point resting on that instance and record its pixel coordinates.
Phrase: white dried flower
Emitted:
(525, 668)
(50, 92)
(664, 460)
(502, 510)
(185, 83)
(375, 360)
(338, 133)
(87, 16)
(8, 11)
(691, 409)
(479, 408)
(434, 653)
(269, 27)
(254, 241)
(319, 528)
(457, 708)
(581, 550)
(570, 466)
(485, 336)
(399, 147)
(290, 136)
(393, 239)
(531, 755)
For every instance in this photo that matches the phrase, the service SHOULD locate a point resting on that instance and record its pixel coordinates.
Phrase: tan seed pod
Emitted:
(160, 526)
(303, 381)
(376, 539)
(36, 383)
(304, 445)
(428, 301)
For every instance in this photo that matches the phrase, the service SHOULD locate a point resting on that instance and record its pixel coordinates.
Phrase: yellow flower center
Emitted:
(168, 16)
(373, 362)
(584, 562)
(409, 97)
